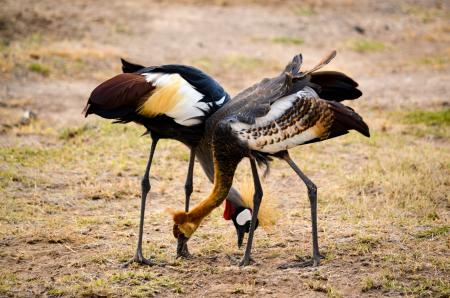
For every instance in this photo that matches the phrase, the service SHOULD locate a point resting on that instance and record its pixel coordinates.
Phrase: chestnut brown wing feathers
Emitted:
(123, 90)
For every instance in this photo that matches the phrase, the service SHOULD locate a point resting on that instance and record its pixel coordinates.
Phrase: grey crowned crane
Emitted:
(170, 101)
(263, 122)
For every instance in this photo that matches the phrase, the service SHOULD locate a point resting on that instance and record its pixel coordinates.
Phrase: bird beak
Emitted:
(181, 245)
(176, 231)
(240, 234)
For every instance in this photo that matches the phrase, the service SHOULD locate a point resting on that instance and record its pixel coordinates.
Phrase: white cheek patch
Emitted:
(244, 217)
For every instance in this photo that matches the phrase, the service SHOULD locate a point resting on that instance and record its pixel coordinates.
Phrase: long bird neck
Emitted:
(204, 155)
(223, 179)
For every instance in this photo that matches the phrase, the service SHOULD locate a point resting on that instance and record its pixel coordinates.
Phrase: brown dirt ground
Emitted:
(70, 186)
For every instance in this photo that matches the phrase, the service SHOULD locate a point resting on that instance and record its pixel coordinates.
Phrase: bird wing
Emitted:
(285, 111)
(294, 120)
(255, 101)
(180, 92)
(128, 67)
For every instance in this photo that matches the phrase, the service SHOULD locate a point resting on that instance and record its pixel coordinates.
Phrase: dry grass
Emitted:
(48, 56)
(392, 201)
(234, 64)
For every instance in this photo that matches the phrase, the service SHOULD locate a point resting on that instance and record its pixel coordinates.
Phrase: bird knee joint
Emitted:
(260, 194)
(312, 189)
(188, 188)
(145, 184)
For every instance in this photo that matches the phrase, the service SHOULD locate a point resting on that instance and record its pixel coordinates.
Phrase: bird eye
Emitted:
(243, 217)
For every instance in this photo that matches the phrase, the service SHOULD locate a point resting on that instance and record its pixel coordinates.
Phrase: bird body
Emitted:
(171, 101)
(294, 120)
(266, 120)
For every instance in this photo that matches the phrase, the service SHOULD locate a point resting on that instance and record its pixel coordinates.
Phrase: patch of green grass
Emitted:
(98, 287)
(134, 283)
(89, 221)
(39, 68)
(366, 45)
(236, 62)
(424, 14)
(304, 11)
(432, 216)
(424, 123)
(48, 57)
(440, 117)
(19, 160)
(365, 244)
(4, 46)
(71, 132)
(242, 63)
(436, 61)
(288, 40)
(323, 287)
(123, 28)
(368, 284)
(415, 286)
(56, 292)
(125, 223)
(145, 284)
(35, 38)
(434, 232)
(7, 175)
(238, 290)
(26, 156)
(7, 282)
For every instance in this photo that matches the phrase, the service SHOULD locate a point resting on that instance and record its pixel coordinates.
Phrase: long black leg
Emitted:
(257, 197)
(145, 188)
(312, 195)
(188, 186)
(182, 248)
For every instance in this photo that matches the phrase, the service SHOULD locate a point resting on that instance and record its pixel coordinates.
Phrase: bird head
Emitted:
(184, 225)
(242, 220)
(241, 217)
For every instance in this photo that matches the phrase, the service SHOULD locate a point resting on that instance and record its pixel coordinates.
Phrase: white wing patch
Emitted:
(174, 97)
(221, 100)
(266, 135)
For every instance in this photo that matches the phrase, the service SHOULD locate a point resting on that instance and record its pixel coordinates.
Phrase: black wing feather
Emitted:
(334, 86)
(128, 67)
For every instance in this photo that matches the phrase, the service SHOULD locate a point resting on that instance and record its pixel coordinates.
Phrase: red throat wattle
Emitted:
(229, 210)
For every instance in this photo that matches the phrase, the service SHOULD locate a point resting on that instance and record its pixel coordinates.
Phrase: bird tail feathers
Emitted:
(345, 119)
(334, 86)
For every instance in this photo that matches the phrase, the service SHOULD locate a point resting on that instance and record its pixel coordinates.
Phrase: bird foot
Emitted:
(247, 261)
(139, 258)
(182, 249)
(302, 263)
